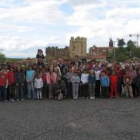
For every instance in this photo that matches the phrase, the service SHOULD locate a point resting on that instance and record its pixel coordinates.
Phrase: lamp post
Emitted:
(114, 49)
(137, 35)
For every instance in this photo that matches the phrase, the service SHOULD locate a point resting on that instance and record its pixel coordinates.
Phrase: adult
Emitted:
(59, 87)
(76, 61)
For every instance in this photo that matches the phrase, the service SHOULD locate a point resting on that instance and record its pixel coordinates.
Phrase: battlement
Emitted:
(79, 39)
(77, 46)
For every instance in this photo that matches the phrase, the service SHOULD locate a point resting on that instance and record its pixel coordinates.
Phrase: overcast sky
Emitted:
(26, 25)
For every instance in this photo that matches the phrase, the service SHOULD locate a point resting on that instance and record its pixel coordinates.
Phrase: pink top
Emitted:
(51, 78)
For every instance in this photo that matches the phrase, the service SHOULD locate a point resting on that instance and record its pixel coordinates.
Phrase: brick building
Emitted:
(98, 51)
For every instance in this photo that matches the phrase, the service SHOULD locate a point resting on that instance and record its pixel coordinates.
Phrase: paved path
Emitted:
(100, 119)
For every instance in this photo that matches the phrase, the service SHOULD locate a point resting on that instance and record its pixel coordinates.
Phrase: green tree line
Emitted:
(125, 51)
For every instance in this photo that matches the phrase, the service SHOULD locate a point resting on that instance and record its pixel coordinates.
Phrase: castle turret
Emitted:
(110, 42)
(77, 46)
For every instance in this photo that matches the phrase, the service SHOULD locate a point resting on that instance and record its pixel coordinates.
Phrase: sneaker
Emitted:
(12, 100)
(5, 100)
(93, 98)
(22, 99)
(17, 99)
(117, 97)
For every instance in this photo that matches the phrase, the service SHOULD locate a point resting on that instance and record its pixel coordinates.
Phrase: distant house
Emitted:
(100, 58)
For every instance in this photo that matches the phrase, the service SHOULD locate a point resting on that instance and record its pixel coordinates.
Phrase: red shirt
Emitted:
(113, 79)
(11, 77)
(44, 77)
(3, 78)
(127, 79)
(119, 72)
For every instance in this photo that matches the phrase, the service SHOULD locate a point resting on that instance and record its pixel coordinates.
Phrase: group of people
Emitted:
(72, 79)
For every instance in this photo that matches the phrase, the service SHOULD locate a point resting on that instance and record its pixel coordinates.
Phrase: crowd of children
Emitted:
(74, 79)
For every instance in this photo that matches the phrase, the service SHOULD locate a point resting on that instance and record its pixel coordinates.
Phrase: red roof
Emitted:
(94, 57)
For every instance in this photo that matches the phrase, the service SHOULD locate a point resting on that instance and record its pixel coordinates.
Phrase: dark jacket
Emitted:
(138, 80)
(19, 77)
(59, 85)
(91, 79)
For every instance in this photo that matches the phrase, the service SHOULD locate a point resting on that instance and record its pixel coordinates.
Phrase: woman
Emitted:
(51, 79)
(56, 67)
(59, 87)
(133, 74)
(19, 80)
(30, 75)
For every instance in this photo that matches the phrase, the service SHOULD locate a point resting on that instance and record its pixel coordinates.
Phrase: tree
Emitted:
(2, 57)
(121, 54)
(121, 42)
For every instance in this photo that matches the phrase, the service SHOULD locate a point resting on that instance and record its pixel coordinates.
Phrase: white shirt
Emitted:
(84, 78)
(38, 83)
(97, 75)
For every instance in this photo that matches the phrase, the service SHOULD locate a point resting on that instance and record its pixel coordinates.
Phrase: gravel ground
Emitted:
(83, 119)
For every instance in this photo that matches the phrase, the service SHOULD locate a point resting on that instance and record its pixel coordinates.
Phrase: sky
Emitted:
(26, 25)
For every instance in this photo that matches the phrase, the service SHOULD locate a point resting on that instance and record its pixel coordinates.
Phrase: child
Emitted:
(69, 83)
(91, 84)
(11, 81)
(38, 83)
(19, 79)
(97, 83)
(84, 80)
(104, 84)
(3, 84)
(127, 79)
(114, 85)
(75, 85)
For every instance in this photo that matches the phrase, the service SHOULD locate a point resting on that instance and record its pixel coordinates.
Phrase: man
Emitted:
(60, 64)
(76, 61)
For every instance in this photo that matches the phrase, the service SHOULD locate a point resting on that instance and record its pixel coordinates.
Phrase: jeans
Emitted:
(91, 88)
(19, 91)
(69, 91)
(104, 92)
(39, 93)
(12, 91)
(50, 90)
(31, 90)
(75, 88)
(85, 90)
(44, 90)
(97, 88)
(3, 93)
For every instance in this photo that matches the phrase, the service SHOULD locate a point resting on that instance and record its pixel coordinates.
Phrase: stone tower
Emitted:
(110, 43)
(77, 46)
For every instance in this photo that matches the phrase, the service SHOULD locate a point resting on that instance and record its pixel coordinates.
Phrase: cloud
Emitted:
(34, 11)
(26, 25)
(98, 21)
(23, 47)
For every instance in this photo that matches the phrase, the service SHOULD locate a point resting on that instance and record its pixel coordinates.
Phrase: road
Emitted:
(83, 119)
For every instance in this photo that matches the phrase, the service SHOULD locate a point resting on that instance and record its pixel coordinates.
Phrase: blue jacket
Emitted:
(105, 81)
(91, 79)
